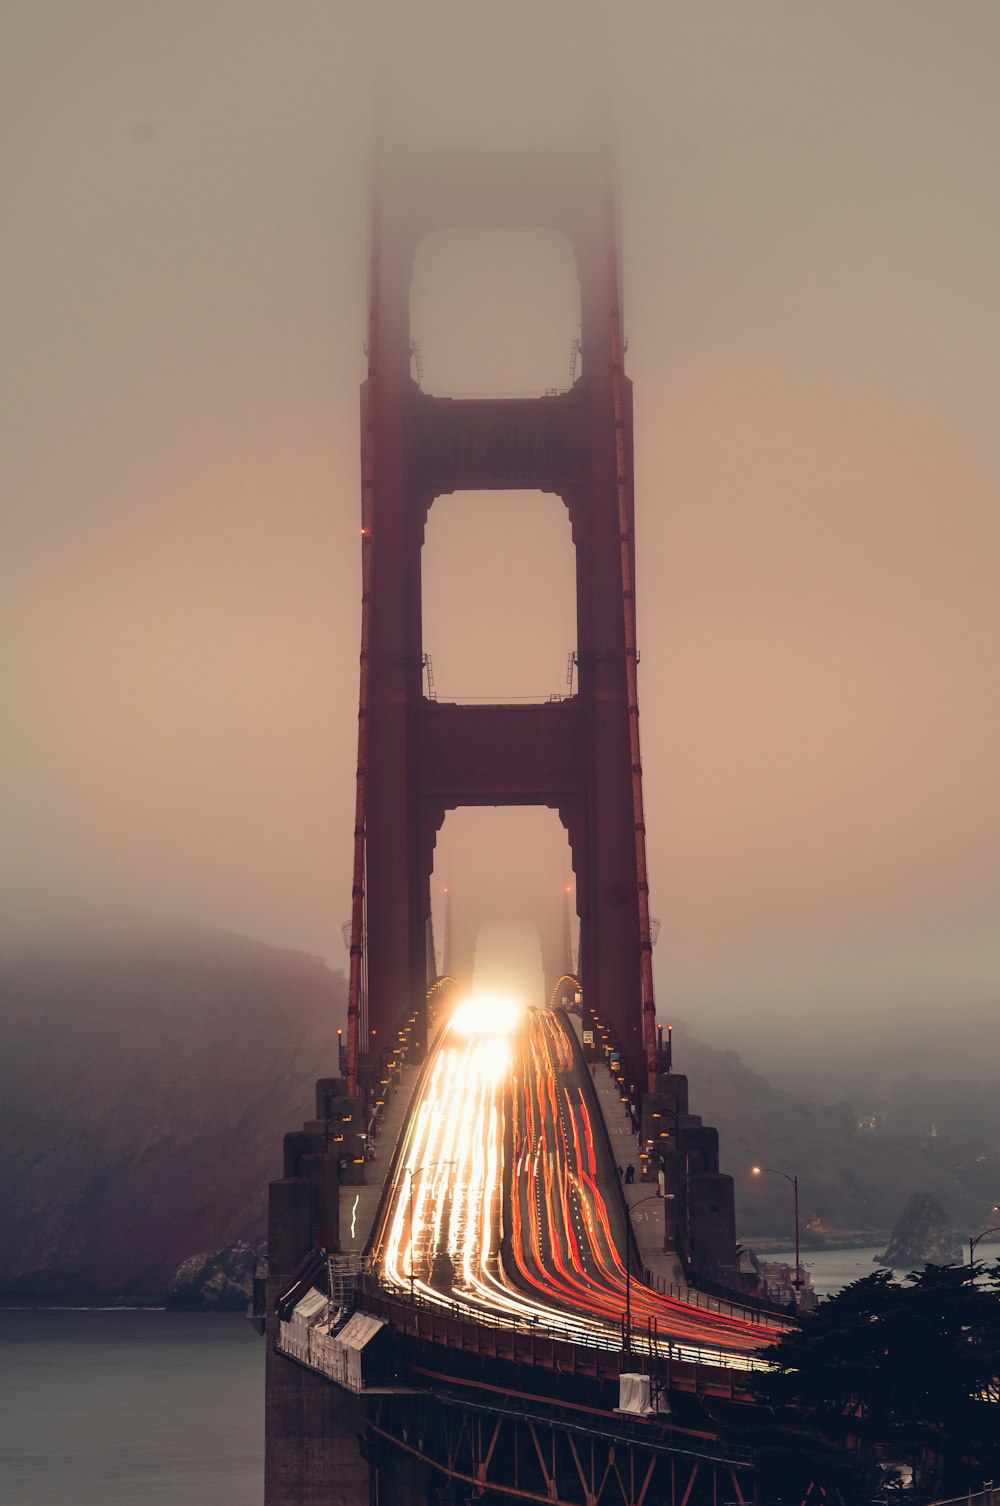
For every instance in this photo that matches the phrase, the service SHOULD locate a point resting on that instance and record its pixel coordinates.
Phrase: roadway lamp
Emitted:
(974, 1241)
(759, 1171)
(668, 1197)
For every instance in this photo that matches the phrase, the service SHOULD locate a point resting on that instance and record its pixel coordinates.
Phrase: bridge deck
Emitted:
(541, 1245)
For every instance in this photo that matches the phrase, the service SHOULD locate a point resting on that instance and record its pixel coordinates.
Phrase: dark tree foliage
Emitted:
(886, 1373)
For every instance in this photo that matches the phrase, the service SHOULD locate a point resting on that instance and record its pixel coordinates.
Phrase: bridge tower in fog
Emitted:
(418, 757)
(426, 1385)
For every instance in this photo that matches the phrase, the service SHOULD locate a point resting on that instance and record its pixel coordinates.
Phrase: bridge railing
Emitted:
(644, 1343)
(549, 1350)
(713, 1297)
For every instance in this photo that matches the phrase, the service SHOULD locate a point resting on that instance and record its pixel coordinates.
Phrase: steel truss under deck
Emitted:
(505, 1453)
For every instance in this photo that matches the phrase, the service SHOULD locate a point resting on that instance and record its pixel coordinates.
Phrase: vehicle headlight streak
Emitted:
(452, 1155)
(495, 1072)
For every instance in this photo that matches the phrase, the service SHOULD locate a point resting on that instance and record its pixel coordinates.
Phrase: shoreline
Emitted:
(766, 1244)
(80, 1307)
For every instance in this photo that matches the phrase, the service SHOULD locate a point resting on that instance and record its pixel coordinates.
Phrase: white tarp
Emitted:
(296, 1337)
(637, 1398)
(633, 1395)
(359, 1329)
(356, 1334)
(326, 1355)
(307, 1339)
(311, 1307)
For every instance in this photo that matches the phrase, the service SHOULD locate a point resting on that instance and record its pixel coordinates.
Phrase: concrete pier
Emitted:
(316, 1451)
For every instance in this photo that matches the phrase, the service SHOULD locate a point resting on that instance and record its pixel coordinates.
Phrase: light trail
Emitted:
(496, 1203)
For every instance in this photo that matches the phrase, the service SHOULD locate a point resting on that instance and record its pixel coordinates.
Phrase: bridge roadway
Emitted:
(497, 1206)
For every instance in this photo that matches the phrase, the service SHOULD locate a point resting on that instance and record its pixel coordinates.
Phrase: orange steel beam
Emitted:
(467, 1479)
(631, 653)
(367, 543)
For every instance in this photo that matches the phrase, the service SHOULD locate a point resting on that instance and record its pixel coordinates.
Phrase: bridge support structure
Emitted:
(420, 758)
(462, 1408)
(311, 1428)
(514, 1450)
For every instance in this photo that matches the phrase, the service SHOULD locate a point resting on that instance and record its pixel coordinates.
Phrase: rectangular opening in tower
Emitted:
(499, 597)
(504, 901)
(495, 313)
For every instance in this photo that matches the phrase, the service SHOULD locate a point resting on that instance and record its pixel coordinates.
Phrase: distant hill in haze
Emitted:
(850, 1177)
(146, 1085)
(949, 1031)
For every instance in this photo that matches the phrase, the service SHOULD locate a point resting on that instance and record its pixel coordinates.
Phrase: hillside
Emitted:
(145, 1088)
(851, 1179)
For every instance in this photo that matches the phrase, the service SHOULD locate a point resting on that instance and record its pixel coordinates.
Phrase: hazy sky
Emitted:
(811, 219)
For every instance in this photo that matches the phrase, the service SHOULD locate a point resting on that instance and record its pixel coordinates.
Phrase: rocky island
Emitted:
(922, 1235)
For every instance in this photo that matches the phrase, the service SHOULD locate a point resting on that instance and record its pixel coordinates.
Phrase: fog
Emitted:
(811, 237)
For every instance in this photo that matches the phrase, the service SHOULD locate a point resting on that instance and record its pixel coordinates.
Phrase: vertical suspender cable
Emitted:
(631, 656)
(356, 978)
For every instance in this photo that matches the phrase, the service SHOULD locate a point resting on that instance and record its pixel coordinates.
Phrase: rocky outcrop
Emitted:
(922, 1235)
(222, 1282)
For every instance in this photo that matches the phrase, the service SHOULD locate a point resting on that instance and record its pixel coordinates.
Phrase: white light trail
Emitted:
(442, 1233)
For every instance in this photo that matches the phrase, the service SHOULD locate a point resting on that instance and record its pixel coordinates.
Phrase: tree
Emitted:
(886, 1372)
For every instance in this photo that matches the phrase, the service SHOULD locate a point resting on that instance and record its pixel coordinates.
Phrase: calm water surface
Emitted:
(130, 1409)
(833, 1269)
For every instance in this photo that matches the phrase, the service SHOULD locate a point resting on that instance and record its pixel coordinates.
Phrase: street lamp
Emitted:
(974, 1241)
(411, 1172)
(668, 1108)
(684, 1170)
(758, 1171)
(630, 1208)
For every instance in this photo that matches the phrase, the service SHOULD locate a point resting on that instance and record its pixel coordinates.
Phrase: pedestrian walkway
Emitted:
(647, 1220)
(651, 1217)
(358, 1205)
(618, 1118)
(664, 1268)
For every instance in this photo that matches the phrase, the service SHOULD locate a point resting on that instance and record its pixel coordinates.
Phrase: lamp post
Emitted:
(759, 1171)
(668, 1108)
(974, 1241)
(630, 1208)
(411, 1172)
(662, 1152)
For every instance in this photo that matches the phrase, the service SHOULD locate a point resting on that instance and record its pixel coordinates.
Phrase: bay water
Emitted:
(833, 1269)
(126, 1408)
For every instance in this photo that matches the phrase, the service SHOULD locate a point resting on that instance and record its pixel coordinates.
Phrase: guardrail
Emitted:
(713, 1298)
(415, 1316)
(544, 1350)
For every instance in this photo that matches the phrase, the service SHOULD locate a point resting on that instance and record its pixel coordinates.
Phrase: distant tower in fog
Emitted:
(446, 960)
(568, 960)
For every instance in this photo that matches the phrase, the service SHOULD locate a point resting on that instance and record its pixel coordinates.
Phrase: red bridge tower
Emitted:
(419, 758)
